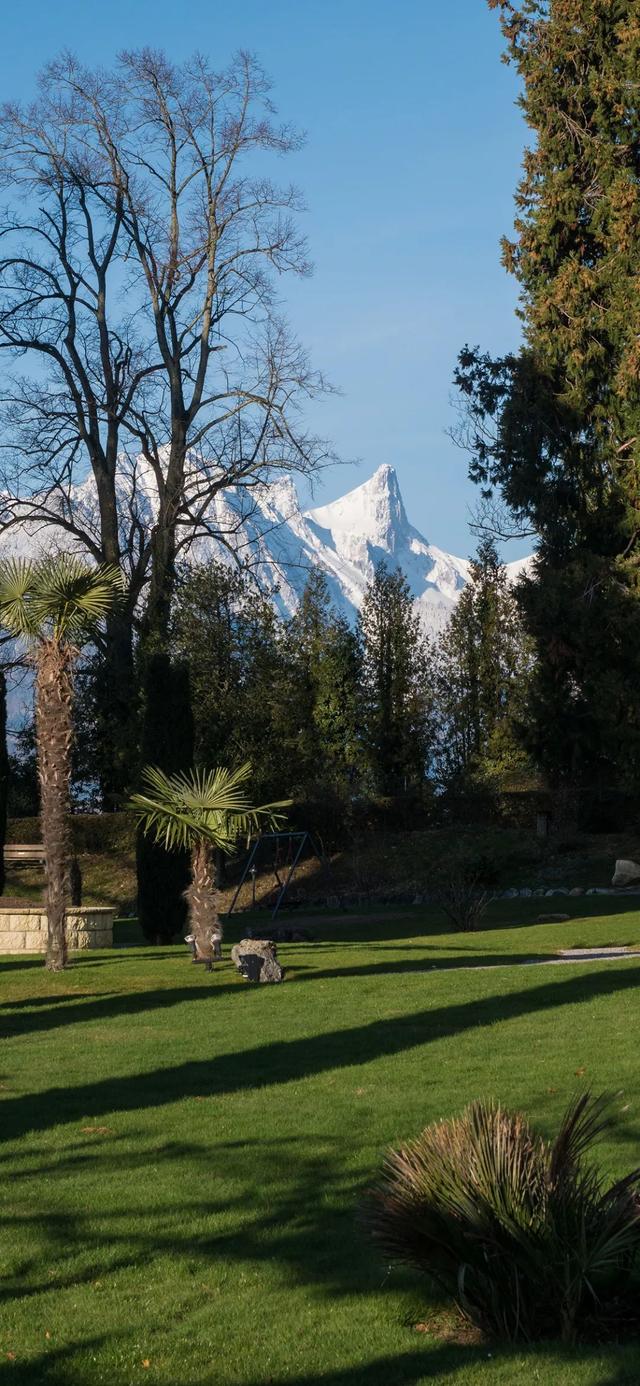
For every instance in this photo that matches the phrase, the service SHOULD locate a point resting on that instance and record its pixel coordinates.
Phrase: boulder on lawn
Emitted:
(256, 960)
(626, 873)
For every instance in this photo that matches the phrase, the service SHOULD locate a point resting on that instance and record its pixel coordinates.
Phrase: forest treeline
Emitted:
(339, 716)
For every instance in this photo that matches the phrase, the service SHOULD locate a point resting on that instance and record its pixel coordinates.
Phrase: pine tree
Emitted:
(555, 428)
(397, 685)
(484, 666)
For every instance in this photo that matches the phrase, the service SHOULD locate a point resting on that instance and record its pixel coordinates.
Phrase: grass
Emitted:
(183, 1156)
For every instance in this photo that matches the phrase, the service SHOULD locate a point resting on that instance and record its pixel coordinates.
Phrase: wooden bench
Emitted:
(24, 854)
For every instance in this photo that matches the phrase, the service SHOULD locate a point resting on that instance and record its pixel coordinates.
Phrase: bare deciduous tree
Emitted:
(140, 243)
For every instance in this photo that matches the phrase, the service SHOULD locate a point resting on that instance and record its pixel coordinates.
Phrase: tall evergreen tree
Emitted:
(163, 876)
(555, 428)
(397, 684)
(323, 665)
(282, 694)
(225, 631)
(483, 672)
(4, 773)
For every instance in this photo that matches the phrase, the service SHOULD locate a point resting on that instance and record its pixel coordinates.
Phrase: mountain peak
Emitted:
(384, 476)
(372, 514)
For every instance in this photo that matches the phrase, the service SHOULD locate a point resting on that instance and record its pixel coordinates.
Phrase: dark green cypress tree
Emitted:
(4, 773)
(555, 428)
(168, 743)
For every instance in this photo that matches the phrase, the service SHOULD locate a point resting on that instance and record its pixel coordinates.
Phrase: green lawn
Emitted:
(183, 1155)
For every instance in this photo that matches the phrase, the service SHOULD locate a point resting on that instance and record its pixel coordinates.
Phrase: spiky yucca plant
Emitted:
(201, 810)
(54, 607)
(525, 1235)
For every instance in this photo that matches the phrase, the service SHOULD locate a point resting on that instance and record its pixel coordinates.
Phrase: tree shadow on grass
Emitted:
(405, 966)
(434, 1363)
(304, 1225)
(81, 1011)
(285, 1061)
(55, 1367)
(441, 1362)
(37, 1014)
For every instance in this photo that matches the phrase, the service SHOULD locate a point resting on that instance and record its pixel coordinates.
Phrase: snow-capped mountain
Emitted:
(267, 527)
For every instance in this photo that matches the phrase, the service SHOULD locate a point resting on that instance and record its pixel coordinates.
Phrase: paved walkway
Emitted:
(565, 955)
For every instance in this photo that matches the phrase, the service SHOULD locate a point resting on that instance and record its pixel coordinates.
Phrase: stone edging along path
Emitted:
(544, 892)
(564, 955)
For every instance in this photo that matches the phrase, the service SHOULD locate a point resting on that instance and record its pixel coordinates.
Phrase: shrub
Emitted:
(463, 887)
(525, 1235)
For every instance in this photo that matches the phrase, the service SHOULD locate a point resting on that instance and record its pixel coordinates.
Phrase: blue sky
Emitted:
(413, 151)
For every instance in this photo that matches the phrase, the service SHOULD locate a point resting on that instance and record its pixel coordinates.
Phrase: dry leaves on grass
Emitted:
(448, 1328)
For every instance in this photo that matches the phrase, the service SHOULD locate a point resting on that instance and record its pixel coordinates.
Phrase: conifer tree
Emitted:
(4, 773)
(324, 668)
(163, 876)
(225, 631)
(555, 428)
(483, 669)
(397, 685)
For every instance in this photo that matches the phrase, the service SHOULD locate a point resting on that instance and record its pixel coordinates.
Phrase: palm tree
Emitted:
(53, 607)
(203, 811)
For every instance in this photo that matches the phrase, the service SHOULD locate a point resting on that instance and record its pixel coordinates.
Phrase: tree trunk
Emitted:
(54, 736)
(202, 899)
(157, 612)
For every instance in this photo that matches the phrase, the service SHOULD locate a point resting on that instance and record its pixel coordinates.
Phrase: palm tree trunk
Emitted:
(54, 736)
(202, 900)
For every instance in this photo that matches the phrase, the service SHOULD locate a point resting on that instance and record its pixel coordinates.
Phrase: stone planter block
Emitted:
(25, 929)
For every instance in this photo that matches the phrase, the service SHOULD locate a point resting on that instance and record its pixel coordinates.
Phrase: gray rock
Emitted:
(577, 890)
(626, 873)
(525, 892)
(265, 968)
(509, 894)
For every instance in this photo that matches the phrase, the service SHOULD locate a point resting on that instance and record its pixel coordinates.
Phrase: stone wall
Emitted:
(23, 928)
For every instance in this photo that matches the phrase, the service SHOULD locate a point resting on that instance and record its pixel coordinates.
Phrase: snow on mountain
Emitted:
(267, 527)
(369, 524)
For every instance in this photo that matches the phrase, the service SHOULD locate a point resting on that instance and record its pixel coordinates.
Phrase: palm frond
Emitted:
(201, 805)
(526, 1235)
(60, 598)
(17, 577)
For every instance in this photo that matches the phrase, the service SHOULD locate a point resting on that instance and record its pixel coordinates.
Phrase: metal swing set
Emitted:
(288, 849)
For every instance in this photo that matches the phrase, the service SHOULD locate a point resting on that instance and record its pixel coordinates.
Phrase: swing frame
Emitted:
(301, 839)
